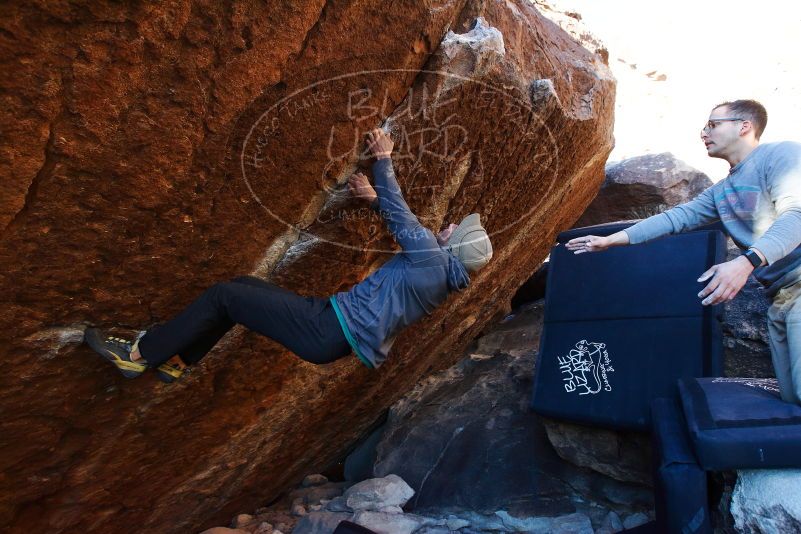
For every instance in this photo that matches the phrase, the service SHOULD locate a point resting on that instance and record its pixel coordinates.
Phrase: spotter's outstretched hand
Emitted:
(587, 243)
(727, 280)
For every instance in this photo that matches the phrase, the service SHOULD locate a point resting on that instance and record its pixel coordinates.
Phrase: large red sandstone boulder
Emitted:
(149, 151)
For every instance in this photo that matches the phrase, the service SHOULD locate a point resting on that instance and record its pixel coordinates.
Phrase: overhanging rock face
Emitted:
(151, 151)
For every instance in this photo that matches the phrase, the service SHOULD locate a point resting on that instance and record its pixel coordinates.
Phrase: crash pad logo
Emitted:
(768, 384)
(586, 368)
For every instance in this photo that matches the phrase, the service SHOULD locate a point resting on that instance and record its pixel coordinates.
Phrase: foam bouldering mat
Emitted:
(680, 485)
(741, 423)
(621, 326)
(650, 280)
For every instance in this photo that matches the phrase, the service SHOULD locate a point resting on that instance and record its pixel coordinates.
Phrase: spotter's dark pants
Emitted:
(307, 326)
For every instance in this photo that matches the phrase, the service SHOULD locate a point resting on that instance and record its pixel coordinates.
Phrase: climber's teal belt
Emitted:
(348, 336)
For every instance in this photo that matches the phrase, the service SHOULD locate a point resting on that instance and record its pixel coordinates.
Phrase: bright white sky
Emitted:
(710, 51)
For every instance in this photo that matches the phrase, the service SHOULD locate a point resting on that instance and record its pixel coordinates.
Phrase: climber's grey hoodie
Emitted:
(407, 287)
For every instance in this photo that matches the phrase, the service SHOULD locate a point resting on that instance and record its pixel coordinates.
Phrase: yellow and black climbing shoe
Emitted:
(169, 372)
(116, 350)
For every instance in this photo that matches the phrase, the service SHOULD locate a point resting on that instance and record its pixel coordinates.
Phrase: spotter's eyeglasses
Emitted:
(711, 123)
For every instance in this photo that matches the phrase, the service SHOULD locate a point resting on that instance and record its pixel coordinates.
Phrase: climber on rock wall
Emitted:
(759, 205)
(364, 320)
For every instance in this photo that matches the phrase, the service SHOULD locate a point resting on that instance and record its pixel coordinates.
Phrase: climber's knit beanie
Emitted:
(470, 243)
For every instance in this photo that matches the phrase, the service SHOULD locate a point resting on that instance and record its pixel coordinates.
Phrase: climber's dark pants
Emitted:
(307, 326)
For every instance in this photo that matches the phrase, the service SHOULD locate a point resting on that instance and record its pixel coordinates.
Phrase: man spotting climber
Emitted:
(759, 205)
(364, 320)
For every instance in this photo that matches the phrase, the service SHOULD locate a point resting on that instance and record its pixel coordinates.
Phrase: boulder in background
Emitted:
(642, 186)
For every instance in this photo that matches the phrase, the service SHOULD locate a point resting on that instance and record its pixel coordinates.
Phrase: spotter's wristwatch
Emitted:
(753, 257)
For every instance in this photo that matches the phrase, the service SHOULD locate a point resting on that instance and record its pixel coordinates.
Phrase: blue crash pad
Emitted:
(680, 489)
(741, 423)
(621, 326)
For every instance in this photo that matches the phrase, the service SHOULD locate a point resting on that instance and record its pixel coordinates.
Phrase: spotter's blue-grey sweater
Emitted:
(759, 204)
(410, 285)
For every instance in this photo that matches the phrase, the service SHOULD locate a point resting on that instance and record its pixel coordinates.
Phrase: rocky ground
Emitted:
(463, 452)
